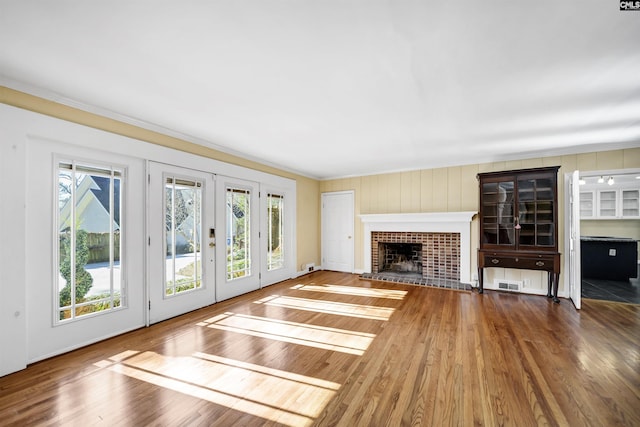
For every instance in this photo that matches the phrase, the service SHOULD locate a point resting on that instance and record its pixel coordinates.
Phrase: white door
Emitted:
(181, 233)
(238, 237)
(337, 231)
(575, 278)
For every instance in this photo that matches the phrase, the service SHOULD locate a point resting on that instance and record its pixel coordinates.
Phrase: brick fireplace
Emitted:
(439, 255)
(427, 249)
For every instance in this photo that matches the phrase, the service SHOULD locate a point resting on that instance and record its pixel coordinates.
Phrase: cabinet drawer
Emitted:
(528, 263)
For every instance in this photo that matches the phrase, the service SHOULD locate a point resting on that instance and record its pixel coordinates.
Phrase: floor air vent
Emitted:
(509, 285)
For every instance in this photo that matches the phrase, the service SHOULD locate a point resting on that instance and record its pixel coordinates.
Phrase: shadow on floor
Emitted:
(612, 290)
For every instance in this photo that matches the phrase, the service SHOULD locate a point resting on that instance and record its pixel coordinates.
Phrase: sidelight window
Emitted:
(275, 231)
(238, 244)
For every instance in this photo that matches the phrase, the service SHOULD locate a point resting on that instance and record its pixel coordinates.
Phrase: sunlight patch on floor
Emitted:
(279, 396)
(322, 337)
(317, 382)
(329, 307)
(352, 290)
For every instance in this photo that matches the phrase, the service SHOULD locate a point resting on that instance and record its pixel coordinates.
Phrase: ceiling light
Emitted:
(600, 180)
(610, 181)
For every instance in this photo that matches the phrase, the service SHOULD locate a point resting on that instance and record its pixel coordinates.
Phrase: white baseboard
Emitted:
(303, 272)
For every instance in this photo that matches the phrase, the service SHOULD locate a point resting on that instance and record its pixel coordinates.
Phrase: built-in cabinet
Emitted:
(610, 203)
(519, 222)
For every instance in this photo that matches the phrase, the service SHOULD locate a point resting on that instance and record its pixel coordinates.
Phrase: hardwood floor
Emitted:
(331, 349)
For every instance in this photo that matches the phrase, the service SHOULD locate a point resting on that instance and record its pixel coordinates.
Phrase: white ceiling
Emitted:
(336, 88)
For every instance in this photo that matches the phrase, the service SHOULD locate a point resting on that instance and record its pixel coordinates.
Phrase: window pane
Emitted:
(275, 215)
(183, 226)
(238, 233)
(89, 221)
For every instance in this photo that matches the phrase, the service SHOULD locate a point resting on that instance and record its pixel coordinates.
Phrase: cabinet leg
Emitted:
(480, 281)
(549, 284)
(556, 279)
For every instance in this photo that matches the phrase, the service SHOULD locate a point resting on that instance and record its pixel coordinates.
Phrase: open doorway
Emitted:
(609, 206)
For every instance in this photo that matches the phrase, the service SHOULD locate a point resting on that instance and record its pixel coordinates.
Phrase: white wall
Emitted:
(28, 142)
(44, 337)
(13, 321)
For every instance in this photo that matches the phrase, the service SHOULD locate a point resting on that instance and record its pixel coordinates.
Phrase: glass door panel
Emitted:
(607, 203)
(630, 203)
(276, 225)
(183, 235)
(536, 212)
(497, 213)
(181, 255)
(238, 233)
(275, 232)
(587, 203)
(238, 211)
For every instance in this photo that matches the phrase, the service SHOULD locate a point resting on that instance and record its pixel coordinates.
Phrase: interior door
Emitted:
(337, 231)
(238, 237)
(181, 234)
(575, 277)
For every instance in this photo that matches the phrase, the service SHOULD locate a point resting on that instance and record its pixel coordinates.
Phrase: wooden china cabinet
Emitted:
(519, 223)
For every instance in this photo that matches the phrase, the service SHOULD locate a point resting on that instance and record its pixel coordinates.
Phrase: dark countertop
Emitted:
(607, 239)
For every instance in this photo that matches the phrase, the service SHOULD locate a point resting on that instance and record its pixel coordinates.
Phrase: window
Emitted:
(275, 231)
(183, 235)
(89, 276)
(238, 233)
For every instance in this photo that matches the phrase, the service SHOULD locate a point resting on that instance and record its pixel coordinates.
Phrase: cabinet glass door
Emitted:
(586, 204)
(607, 205)
(630, 203)
(497, 213)
(536, 212)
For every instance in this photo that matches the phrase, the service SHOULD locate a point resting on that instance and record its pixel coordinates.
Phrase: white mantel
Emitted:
(431, 222)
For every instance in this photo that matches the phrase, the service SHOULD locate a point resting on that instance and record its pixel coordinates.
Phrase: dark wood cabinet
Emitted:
(519, 222)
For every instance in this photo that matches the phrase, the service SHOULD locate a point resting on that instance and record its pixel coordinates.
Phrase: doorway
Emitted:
(609, 207)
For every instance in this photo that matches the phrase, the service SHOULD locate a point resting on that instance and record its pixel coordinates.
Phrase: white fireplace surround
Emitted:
(431, 222)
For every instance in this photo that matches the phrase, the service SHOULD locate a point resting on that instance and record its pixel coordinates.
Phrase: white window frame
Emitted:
(58, 160)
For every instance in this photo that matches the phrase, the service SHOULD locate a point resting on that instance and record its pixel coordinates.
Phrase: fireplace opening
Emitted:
(400, 258)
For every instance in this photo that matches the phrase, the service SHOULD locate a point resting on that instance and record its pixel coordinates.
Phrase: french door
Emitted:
(238, 250)
(181, 238)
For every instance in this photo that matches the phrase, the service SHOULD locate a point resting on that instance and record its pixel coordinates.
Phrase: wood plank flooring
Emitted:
(331, 349)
